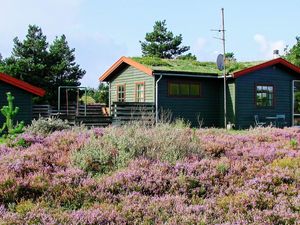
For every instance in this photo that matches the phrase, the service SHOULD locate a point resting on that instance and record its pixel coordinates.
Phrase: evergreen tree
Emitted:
(63, 70)
(293, 54)
(39, 64)
(28, 61)
(162, 43)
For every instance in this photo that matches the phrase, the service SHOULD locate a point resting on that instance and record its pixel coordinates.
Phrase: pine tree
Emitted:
(162, 43)
(63, 69)
(28, 61)
(39, 64)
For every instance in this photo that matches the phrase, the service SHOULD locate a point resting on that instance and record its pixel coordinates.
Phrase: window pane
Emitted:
(195, 90)
(121, 93)
(140, 93)
(264, 95)
(184, 89)
(174, 89)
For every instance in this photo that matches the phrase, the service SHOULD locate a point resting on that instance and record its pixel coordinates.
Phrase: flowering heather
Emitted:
(161, 175)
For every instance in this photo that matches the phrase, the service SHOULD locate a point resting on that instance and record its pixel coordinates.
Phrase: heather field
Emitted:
(169, 174)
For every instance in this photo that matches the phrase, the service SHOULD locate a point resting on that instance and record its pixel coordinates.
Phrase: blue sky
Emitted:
(102, 31)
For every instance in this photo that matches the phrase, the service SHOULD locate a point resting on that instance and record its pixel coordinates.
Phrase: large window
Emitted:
(121, 90)
(184, 89)
(140, 92)
(264, 95)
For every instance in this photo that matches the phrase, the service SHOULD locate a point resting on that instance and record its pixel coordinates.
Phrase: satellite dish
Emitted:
(220, 62)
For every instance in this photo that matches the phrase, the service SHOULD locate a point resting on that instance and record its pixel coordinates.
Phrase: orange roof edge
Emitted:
(267, 64)
(128, 61)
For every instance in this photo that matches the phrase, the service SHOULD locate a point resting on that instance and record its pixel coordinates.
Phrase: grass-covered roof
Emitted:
(191, 66)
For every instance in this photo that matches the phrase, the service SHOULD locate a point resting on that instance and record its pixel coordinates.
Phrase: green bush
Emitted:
(44, 126)
(120, 145)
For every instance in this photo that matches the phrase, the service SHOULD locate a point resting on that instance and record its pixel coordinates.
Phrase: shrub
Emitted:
(294, 143)
(24, 206)
(287, 162)
(45, 126)
(223, 167)
(167, 174)
(118, 146)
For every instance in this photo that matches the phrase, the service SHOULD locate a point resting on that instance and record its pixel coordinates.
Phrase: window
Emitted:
(184, 89)
(140, 92)
(121, 93)
(264, 95)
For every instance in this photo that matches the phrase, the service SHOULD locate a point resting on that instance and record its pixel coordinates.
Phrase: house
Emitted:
(195, 92)
(23, 93)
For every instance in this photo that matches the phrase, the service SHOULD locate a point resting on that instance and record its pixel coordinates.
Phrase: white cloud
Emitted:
(266, 46)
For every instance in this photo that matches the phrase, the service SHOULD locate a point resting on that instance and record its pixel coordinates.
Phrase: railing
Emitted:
(133, 111)
(96, 115)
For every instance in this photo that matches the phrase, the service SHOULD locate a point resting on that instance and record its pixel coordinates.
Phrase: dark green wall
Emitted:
(230, 101)
(129, 76)
(281, 78)
(207, 106)
(23, 100)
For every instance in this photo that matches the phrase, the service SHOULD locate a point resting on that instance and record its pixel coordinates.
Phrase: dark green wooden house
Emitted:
(194, 91)
(23, 93)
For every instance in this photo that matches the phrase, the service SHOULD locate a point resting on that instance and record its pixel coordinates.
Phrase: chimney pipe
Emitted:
(276, 54)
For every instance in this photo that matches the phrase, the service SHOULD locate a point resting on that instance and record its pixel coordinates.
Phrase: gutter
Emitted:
(156, 99)
(109, 98)
(191, 75)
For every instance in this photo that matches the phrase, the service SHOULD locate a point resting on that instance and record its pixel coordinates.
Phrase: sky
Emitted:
(102, 31)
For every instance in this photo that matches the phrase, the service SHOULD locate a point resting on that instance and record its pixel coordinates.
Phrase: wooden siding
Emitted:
(23, 100)
(207, 106)
(245, 95)
(130, 76)
(230, 102)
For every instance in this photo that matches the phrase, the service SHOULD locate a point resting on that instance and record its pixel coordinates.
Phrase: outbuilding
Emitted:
(23, 93)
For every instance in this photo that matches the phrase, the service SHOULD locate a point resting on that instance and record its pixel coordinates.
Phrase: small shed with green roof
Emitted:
(193, 90)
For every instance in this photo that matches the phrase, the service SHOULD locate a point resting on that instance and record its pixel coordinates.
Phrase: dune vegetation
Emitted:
(168, 174)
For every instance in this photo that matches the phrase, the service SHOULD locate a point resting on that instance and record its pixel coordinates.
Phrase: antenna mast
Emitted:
(224, 66)
(224, 69)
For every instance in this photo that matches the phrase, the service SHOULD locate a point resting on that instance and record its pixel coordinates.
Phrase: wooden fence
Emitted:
(133, 111)
(95, 115)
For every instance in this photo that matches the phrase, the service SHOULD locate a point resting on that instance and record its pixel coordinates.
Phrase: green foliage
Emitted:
(188, 56)
(94, 158)
(293, 54)
(297, 101)
(99, 95)
(223, 167)
(9, 112)
(229, 56)
(37, 63)
(119, 146)
(151, 61)
(187, 65)
(162, 43)
(45, 126)
(287, 162)
(88, 100)
(24, 206)
(294, 143)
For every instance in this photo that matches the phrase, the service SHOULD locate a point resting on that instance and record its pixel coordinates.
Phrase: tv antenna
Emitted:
(221, 65)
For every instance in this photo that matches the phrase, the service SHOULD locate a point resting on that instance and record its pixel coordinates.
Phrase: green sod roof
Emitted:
(190, 66)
